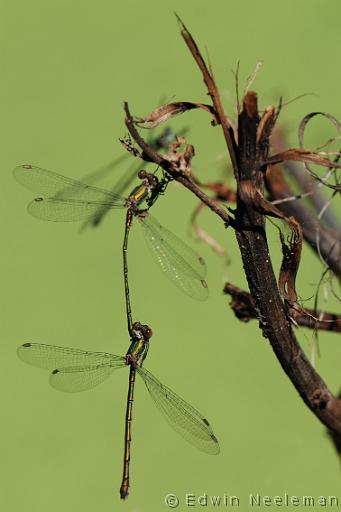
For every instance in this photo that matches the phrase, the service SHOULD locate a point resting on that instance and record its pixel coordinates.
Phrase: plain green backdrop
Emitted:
(66, 68)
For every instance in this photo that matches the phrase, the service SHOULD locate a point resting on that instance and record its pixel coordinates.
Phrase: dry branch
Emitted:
(249, 153)
(243, 307)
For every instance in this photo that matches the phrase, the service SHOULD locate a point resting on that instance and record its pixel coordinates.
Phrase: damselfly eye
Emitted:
(142, 174)
(149, 332)
(154, 180)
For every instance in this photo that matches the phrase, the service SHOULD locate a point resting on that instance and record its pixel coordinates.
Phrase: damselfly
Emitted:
(159, 142)
(78, 370)
(66, 199)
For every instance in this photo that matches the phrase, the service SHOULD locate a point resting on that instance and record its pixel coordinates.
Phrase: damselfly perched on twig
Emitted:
(66, 199)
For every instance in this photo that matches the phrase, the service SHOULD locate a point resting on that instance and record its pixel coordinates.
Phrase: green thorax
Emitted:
(139, 342)
(140, 194)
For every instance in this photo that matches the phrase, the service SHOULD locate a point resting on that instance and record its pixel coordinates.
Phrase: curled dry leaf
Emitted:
(166, 112)
(181, 160)
(291, 248)
(304, 155)
(291, 245)
(301, 132)
(308, 156)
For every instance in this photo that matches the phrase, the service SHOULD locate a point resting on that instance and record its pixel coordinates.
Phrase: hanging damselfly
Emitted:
(158, 142)
(76, 370)
(66, 199)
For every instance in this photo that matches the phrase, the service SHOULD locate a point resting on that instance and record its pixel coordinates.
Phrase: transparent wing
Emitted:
(73, 369)
(66, 199)
(50, 357)
(51, 184)
(119, 188)
(190, 261)
(99, 174)
(183, 266)
(65, 210)
(182, 417)
(81, 378)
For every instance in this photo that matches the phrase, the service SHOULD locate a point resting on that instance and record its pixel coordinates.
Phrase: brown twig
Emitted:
(150, 155)
(243, 306)
(213, 92)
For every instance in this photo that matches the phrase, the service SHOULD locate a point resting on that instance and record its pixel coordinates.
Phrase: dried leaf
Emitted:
(252, 77)
(302, 155)
(307, 156)
(181, 160)
(301, 131)
(266, 124)
(219, 114)
(308, 117)
(291, 246)
(166, 112)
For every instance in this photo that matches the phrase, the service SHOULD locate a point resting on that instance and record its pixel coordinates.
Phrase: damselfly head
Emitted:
(142, 174)
(142, 329)
(150, 178)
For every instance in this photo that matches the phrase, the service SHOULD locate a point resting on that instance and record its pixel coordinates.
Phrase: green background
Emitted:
(66, 68)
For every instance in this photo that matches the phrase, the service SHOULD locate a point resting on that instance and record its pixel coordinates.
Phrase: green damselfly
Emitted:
(158, 142)
(76, 370)
(66, 199)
